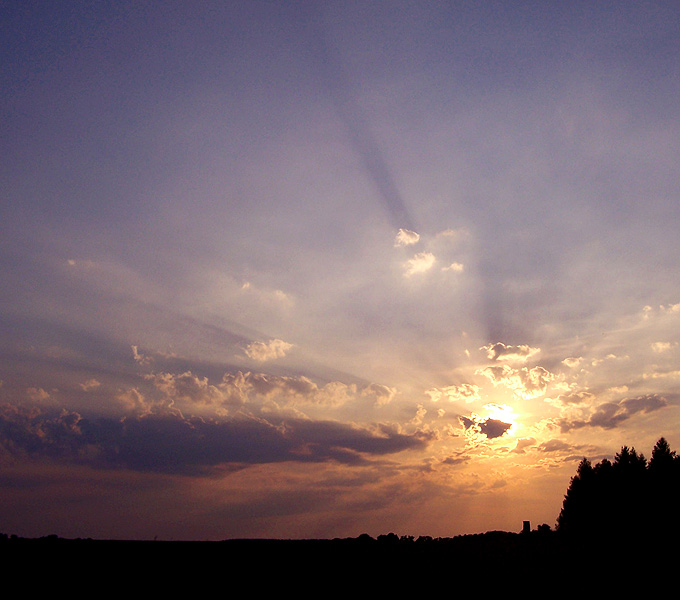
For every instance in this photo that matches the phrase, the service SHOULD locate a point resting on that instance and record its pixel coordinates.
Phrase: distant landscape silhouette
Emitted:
(621, 508)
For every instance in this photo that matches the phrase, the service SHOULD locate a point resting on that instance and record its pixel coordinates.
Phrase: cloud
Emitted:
(499, 351)
(465, 391)
(171, 443)
(420, 263)
(264, 351)
(660, 347)
(237, 389)
(573, 361)
(189, 388)
(572, 398)
(406, 238)
(37, 394)
(133, 401)
(380, 394)
(555, 446)
(140, 358)
(456, 267)
(89, 385)
(523, 443)
(491, 428)
(526, 383)
(611, 414)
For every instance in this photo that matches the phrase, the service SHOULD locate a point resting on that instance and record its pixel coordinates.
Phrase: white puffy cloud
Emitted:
(380, 394)
(660, 347)
(263, 351)
(456, 267)
(572, 361)
(406, 237)
(499, 351)
(190, 388)
(526, 383)
(420, 263)
(465, 391)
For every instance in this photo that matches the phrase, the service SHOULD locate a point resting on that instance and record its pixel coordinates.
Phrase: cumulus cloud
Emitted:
(420, 263)
(499, 351)
(523, 444)
(660, 347)
(264, 351)
(236, 389)
(189, 388)
(406, 238)
(381, 395)
(89, 385)
(611, 414)
(36, 394)
(491, 428)
(573, 361)
(456, 267)
(526, 383)
(555, 446)
(133, 401)
(466, 391)
(174, 444)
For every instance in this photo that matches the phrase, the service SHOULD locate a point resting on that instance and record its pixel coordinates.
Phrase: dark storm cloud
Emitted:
(611, 414)
(171, 443)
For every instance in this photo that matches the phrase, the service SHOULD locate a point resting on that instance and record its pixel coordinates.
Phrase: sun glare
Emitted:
(501, 412)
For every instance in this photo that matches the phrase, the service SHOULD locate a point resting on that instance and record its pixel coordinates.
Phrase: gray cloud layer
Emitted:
(174, 444)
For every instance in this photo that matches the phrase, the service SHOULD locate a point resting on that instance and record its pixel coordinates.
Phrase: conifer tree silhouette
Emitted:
(627, 499)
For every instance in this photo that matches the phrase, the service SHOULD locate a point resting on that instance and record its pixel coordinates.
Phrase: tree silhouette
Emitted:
(627, 499)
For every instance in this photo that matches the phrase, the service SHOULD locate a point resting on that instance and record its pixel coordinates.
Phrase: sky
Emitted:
(318, 269)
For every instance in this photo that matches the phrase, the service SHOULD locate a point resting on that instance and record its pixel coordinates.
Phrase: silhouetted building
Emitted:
(526, 526)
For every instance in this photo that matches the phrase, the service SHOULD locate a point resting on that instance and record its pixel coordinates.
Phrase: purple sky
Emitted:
(315, 269)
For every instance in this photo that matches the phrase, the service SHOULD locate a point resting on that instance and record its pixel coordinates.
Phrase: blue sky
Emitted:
(319, 269)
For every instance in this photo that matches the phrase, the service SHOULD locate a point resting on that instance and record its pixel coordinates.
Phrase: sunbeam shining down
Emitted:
(319, 269)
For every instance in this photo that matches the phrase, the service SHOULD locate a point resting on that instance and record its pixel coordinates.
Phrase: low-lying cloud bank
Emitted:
(172, 443)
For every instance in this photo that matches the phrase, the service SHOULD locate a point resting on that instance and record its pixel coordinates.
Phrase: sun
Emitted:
(501, 412)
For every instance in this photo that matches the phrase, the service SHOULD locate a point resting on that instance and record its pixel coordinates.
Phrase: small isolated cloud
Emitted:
(499, 351)
(420, 263)
(406, 238)
(660, 347)
(263, 351)
(453, 393)
(491, 428)
(456, 267)
(573, 361)
(89, 385)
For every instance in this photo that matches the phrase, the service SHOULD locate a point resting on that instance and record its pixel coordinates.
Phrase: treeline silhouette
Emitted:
(628, 498)
(626, 505)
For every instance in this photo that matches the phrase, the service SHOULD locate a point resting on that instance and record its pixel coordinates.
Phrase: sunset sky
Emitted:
(318, 269)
